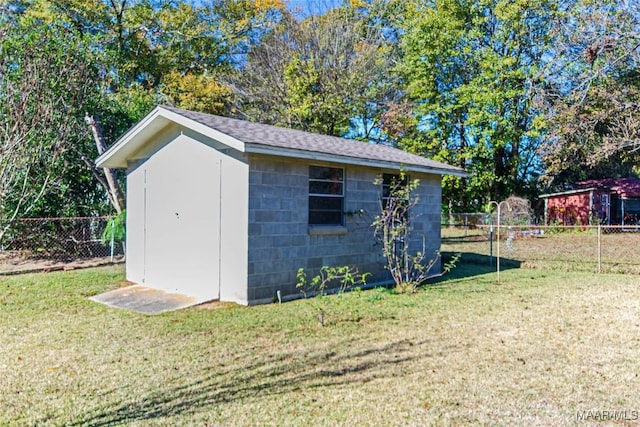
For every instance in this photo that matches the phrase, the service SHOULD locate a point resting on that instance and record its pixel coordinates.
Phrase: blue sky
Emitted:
(311, 7)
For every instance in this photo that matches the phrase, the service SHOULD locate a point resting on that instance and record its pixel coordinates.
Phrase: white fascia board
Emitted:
(333, 158)
(118, 155)
(110, 157)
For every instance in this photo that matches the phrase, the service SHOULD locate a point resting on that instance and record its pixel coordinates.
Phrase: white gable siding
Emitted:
(234, 223)
(135, 237)
(187, 220)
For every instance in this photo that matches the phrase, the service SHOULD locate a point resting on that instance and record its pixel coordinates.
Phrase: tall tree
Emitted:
(592, 93)
(46, 74)
(140, 52)
(470, 67)
(328, 73)
(178, 49)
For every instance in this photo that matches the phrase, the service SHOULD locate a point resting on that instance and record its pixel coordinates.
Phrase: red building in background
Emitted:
(596, 201)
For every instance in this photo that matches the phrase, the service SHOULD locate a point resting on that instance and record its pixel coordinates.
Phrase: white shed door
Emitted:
(182, 219)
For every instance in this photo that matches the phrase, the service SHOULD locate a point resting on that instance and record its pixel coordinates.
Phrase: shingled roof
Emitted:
(624, 187)
(266, 139)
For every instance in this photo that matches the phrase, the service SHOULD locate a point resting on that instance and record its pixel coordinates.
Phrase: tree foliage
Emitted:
(46, 76)
(509, 90)
(328, 73)
(591, 94)
(175, 48)
(470, 68)
(114, 60)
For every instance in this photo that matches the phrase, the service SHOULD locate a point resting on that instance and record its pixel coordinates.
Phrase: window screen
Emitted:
(326, 195)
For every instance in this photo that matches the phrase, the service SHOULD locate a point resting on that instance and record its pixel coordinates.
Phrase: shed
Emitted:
(226, 209)
(606, 201)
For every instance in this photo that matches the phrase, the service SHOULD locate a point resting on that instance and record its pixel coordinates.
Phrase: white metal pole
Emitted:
(498, 254)
(113, 232)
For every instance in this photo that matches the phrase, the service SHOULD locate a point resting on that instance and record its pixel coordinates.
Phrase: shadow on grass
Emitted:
(471, 238)
(473, 264)
(273, 374)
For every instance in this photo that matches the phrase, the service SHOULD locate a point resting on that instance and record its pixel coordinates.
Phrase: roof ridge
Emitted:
(295, 139)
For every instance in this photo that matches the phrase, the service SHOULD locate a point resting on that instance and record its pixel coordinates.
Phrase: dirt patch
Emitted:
(18, 262)
(215, 305)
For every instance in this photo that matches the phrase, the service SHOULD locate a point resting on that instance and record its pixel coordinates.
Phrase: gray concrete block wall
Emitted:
(426, 217)
(278, 189)
(281, 241)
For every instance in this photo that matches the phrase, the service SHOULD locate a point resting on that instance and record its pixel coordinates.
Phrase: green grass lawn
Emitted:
(534, 350)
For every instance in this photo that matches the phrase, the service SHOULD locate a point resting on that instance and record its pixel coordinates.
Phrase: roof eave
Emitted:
(113, 158)
(256, 148)
(576, 191)
(118, 155)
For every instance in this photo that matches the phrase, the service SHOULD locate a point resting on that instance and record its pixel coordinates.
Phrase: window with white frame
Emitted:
(326, 195)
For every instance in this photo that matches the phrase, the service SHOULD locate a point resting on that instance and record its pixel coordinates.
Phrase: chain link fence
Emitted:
(468, 220)
(597, 249)
(30, 243)
(36, 242)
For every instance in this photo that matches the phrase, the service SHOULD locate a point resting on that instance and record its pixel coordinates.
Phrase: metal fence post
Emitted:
(466, 225)
(113, 233)
(491, 246)
(599, 250)
(555, 247)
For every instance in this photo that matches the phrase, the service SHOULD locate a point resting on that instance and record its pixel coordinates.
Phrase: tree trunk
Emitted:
(110, 184)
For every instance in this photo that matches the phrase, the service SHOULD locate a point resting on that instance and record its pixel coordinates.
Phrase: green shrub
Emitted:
(115, 229)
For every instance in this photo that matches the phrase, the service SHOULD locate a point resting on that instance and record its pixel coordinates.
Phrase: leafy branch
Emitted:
(394, 230)
(347, 277)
